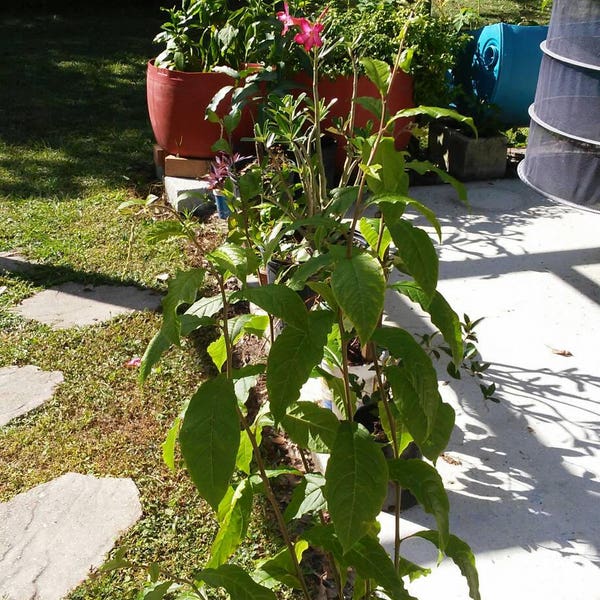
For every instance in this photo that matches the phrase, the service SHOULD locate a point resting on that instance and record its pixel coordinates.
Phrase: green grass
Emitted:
(75, 142)
(517, 12)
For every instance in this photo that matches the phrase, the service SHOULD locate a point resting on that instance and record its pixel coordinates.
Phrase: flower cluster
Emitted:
(310, 33)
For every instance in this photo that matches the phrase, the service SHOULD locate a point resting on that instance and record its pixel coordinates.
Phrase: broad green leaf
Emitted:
(342, 199)
(436, 112)
(311, 426)
(156, 591)
(160, 231)
(249, 184)
(413, 380)
(441, 313)
(307, 269)
(182, 290)
(244, 454)
(358, 285)
(326, 293)
(280, 568)
(168, 446)
(217, 350)
(379, 72)
(410, 569)
(373, 105)
(356, 483)
(155, 349)
(279, 301)
(307, 497)
(461, 554)
(231, 258)
(293, 355)
(236, 582)
(233, 525)
(210, 436)
(404, 201)
(418, 254)
(422, 167)
(324, 537)
(391, 176)
(427, 487)
(206, 307)
(443, 424)
(372, 561)
(370, 230)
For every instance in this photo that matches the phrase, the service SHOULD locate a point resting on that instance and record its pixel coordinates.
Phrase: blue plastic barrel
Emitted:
(505, 67)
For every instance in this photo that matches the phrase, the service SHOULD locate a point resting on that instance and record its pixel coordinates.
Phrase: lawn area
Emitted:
(75, 143)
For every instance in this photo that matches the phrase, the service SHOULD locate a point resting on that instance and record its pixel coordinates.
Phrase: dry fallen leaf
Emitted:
(561, 352)
(451, 460)
(3, 288)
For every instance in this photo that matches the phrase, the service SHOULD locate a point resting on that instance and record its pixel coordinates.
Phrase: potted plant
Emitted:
(463, 154)
(205, 42)
(218, 435)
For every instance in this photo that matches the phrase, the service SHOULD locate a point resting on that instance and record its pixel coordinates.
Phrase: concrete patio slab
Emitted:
(24, 388)
(75, 305)
(52, 535)
(523, 475)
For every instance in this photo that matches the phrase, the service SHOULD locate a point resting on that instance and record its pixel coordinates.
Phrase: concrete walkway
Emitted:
(523, 475)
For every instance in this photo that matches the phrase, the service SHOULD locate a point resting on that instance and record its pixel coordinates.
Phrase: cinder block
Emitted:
(175, 166)
(158, 155)
(189, 195)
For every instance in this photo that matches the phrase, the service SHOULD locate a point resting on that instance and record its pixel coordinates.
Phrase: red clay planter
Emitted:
(176, 104)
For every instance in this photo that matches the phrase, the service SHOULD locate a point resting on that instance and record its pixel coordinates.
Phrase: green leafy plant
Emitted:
(202, 34)
(287, 194)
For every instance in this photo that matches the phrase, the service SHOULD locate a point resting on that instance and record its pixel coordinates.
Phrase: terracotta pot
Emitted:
(176, 104)
(401, 96)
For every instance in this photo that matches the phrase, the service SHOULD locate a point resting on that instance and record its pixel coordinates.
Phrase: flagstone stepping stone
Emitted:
(76, 305)
(13, 262)
(52, 535)
(24, 388)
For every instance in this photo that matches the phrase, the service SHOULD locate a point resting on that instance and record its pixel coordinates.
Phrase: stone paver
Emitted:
(24, 388)
(76, 305)
(52, 535)
(13, 262)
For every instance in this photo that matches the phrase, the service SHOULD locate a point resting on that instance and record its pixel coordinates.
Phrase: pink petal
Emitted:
(133, 363)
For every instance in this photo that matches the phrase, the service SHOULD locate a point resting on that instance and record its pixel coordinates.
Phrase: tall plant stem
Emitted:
(396, 450)
(322, 183)
(273, 501)
(226, 336)
(345, 372)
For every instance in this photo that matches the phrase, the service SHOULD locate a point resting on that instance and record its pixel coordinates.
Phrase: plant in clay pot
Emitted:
(219, 437)
(204, 41)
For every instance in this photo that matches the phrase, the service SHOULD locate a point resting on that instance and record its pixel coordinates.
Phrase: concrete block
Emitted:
(24, 388)
(467, 158)
(188, 194)
(176, 166)
(52, 535)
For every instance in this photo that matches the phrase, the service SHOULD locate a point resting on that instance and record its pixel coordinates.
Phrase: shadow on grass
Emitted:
(72, 103)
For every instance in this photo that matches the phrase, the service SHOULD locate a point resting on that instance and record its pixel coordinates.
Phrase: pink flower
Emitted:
(310, 34)
(287, 19)
(133, 363)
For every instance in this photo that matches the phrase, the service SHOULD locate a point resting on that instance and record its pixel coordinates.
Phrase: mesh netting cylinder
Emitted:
(563, 151)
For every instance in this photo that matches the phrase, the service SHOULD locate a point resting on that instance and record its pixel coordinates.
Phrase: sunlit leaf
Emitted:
(210, 436)
(356, 482)
(358, 285)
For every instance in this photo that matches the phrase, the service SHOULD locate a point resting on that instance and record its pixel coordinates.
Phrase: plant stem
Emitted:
(273, 501)
(226, 336)
(322, 183)
(345, 372)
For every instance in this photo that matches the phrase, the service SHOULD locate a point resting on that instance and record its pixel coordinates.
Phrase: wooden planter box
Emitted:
(464, 157)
